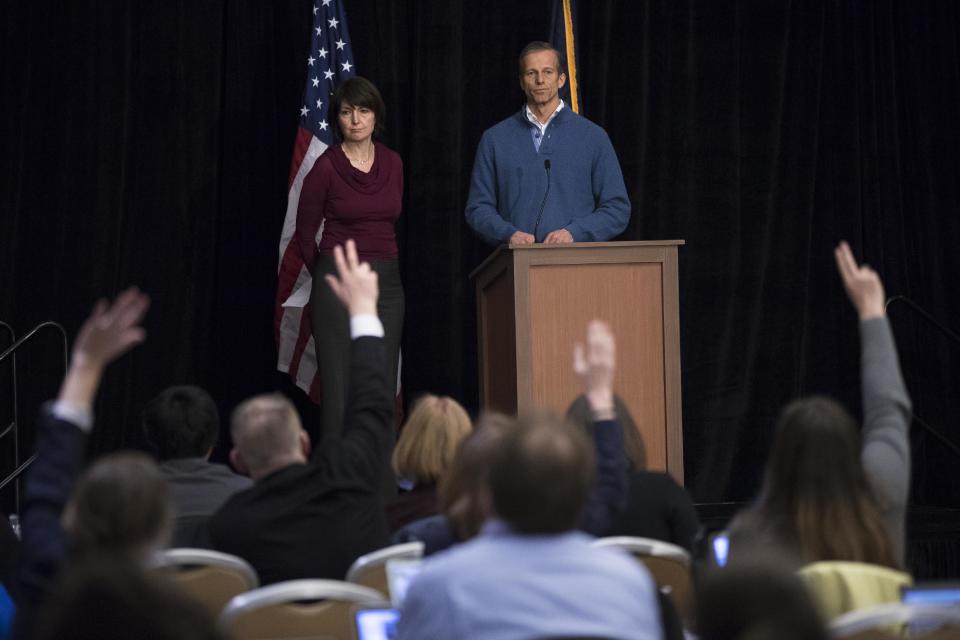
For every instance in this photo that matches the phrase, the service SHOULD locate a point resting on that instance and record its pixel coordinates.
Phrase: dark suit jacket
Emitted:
(61, 449)
(657, 507)
(313, 520)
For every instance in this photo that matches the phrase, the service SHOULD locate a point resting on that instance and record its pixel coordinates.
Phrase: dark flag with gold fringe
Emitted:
(565, 40)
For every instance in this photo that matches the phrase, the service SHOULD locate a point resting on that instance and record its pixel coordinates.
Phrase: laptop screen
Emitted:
(377, 624)
(938, 598)
(932, 594)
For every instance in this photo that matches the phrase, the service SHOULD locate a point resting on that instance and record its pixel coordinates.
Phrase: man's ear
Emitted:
(305, 443)
(237, 461)
(562, 81)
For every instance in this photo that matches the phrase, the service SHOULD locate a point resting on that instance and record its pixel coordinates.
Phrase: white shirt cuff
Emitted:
(65, 411)
(365, 324)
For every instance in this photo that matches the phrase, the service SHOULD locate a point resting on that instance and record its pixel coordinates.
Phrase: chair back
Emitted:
(840, 587)
(210, 577)
(301, 609)
(668, 564)
(370, 570)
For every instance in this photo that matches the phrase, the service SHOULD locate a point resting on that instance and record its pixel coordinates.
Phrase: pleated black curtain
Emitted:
(150, 143)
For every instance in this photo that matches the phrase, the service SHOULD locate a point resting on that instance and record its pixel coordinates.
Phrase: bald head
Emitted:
(267, 435)
(541, 474)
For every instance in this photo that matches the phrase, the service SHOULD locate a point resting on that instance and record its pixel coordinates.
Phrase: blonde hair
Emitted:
(430, 438)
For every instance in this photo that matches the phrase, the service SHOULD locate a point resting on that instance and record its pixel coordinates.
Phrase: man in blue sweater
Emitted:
(545, 174)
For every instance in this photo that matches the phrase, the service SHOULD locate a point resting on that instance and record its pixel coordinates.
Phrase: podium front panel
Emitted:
(533, 305)
(628, 296)
(497, 338)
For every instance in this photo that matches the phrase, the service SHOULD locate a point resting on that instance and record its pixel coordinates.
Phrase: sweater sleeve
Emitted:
(310, 211)
(481, 211)
(886, 414)
(612, 212)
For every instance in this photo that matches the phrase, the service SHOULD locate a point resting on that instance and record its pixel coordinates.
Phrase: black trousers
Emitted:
(331, 335)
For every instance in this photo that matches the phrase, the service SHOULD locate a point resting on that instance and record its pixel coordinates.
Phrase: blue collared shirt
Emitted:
(503, 585)
(539, 130)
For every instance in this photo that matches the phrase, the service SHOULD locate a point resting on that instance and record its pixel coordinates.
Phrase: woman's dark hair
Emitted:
(461, 490)
(105, 596)
(359, 92)
(579, 413)
(758, 598)
(816, 495)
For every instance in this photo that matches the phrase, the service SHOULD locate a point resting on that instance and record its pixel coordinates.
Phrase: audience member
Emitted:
(120, 507)
(759, 598)
(529, 573)
(656, 506)
(106, 597)
(464, 498)
(423, 455)
(307, 518)
(182, 425)
(826, 495)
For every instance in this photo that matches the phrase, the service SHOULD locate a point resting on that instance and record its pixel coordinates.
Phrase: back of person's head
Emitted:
(816, 489)
(121, 506)
(760, 598)
(540, 475)
(579, 414)
(464, 492)
(99, 598)
(429, 439)
(181, 422)
(266, 432)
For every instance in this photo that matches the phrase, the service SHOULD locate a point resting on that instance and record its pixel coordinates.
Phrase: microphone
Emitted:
(546, 167)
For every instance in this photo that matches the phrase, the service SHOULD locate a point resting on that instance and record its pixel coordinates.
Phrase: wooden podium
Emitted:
(533, 304)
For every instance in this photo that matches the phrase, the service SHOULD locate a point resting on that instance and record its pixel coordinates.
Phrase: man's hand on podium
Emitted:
(519, 237)
(560, 236)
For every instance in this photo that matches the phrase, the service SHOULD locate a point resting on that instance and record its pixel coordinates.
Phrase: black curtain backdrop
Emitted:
(150, 143)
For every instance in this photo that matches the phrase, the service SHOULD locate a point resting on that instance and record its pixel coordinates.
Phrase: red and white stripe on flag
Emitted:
(293, 330)
(329, 61)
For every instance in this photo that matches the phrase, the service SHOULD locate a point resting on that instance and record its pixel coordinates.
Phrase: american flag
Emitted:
(329, 61)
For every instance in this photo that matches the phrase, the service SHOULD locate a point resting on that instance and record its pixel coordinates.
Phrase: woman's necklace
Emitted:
(359, 161)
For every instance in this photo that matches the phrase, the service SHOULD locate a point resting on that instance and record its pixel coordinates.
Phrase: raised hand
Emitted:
(594, 366)
(111, 330)
(863, 285)
(356, 286)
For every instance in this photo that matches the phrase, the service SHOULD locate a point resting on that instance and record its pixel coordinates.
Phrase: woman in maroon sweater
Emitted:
(354, 191)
